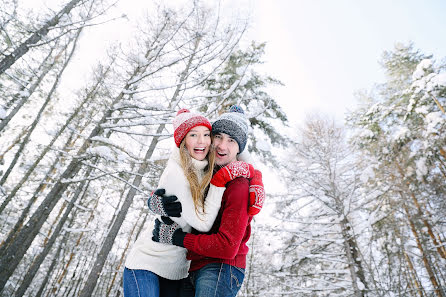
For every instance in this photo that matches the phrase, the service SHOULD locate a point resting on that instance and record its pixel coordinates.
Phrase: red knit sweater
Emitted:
(226, 241)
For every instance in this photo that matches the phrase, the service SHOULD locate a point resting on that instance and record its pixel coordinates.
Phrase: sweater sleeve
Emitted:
(226, 242)
(199, 220)
(175, 183)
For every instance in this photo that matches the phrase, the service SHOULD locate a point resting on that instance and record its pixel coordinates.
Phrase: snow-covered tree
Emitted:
(238, 82)
(76, 202)
(318, 250)
(400, 130)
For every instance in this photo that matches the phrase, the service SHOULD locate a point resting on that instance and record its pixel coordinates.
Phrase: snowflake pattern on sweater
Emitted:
(237, 169)
(259, 193)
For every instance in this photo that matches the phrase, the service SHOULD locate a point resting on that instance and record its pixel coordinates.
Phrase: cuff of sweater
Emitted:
(189, 241)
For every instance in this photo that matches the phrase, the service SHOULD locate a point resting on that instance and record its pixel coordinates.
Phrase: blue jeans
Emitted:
(213, 280)
(144, 283)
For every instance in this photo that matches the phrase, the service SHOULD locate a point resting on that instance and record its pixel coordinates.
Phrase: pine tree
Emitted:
(238, 83)
(400, 132)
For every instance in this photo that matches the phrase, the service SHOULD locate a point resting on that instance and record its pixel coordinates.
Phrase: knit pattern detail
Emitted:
(166, 232)
(258, 192)
(185, 121)
(237, 169)
(236, 108)
(155, 204)
(232, 170)
(234, 124)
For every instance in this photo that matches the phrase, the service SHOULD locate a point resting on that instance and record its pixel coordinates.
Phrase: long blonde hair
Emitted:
(198, 190)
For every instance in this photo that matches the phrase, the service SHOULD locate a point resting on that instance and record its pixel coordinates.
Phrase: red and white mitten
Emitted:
(231, 171)
(256, 193)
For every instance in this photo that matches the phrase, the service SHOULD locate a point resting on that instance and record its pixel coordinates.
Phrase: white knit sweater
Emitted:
(169, 261)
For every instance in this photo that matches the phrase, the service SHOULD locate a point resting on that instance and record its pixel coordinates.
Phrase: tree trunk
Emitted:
(18, 225)
(15, 252)
(349, 253)
(51, 240)
(39, 114)
(422, 214)
(93, 277)
(124, 252)
(414, 277)
(26, 235)
(91, 94)
(51, 268)
(438, 244)
(10, 59)
(45, 69)
(78, 242)
(12, 145)
(427, 264)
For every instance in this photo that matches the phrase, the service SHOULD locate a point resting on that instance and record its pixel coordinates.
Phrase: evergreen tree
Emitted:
(400, 130)
(239, 83)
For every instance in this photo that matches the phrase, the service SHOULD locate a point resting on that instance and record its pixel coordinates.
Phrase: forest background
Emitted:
(355, 207)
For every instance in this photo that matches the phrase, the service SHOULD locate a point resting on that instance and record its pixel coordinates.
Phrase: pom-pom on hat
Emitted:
(233, 123)
(184, 121)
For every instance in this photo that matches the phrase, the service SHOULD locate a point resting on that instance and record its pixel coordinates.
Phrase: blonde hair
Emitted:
(198, 190)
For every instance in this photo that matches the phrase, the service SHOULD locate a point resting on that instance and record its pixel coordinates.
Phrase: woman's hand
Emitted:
(168, 232)
(163, 205)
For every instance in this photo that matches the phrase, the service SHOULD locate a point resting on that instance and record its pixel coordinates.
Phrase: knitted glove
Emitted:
(168, 232)
(163, 205)
(231, 171)
(256, 193)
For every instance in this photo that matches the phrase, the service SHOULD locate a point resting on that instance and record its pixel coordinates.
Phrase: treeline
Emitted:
(365, 207)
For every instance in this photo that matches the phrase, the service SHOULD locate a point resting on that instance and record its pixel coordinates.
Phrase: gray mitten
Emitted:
(163, 205)
(168, 232)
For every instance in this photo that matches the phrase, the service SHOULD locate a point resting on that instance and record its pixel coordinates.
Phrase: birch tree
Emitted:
(41, 110)
(37, 55)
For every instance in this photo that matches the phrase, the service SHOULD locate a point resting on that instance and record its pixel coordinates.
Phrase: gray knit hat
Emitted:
(233, 123)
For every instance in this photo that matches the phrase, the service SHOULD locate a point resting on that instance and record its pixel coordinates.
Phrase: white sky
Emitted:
(322, 50)
(325, 50)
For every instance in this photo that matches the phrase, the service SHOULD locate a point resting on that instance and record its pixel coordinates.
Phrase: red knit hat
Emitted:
(185, 121)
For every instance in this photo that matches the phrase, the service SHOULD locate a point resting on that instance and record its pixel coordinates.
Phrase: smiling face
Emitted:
(226, 149)
(197, 142)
